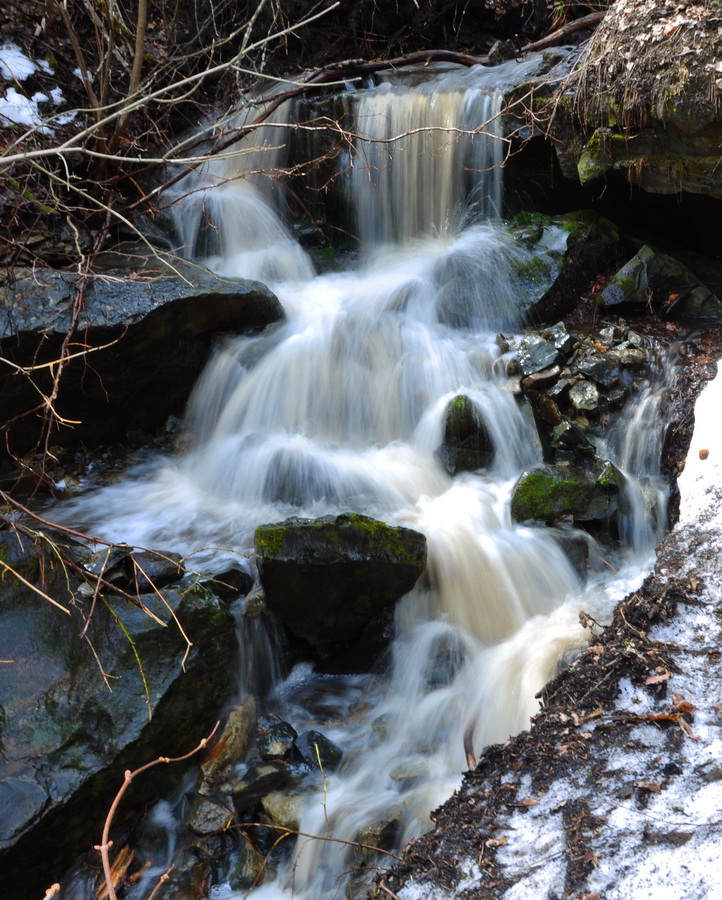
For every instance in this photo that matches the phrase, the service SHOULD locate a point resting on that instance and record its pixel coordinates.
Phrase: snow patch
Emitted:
(14, 64)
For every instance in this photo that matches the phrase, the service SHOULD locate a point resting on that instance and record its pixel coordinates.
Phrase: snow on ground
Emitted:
(18, 109)
(666, 844)
(636, 813)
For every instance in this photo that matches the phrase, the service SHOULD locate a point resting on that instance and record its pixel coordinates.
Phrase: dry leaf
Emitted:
(687, 729)
(703, 454)
(654, 787)
(529, 801)
(656, 679)
(682, 705)
(497, 842)
(679, 837)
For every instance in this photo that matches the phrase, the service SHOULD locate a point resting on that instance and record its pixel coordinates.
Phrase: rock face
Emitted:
(150, 333)
(66, 735)
(566, 254)
(327, 578)
(647, 99)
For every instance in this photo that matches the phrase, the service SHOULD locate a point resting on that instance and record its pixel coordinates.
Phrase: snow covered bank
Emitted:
(616, 791)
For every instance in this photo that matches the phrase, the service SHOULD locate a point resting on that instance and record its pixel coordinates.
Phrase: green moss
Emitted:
(538, 268)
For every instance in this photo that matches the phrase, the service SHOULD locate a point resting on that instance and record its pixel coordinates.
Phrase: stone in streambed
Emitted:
(467, 443)
(327, 578)
(551, 492)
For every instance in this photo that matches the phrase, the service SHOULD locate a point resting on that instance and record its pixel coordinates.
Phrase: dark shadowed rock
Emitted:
(568, 252)
(327, 578)
(68, 736)
(655, 280)
(155, 327)
(467, 443)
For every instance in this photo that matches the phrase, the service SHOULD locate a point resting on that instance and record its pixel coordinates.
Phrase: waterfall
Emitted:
(424, 159)
(341, 409)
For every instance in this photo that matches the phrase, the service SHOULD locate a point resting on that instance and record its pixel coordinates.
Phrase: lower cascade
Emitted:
(343, 409)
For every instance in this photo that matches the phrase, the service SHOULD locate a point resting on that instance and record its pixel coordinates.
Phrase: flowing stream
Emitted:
(340, 409)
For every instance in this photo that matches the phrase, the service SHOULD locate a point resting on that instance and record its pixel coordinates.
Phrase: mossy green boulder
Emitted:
(551, 492)
(327, 578)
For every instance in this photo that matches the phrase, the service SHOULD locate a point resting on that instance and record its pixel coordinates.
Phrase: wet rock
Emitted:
(66, 736)
(383, 833)
(539, 380)
(231, 584)
(467, 443)
(209, 816)
(274, 737)
(535, 354)
(576, 548)
(283, 809)
(655, 280)
(138, 572)
(550, 492)
(560, 338)
(312, 746)
(156, 328)
(602, 368)
(567, 253)
(247, 868)
(549, 410)
(584, 395)
(233, 743)
(327, 578)
(259, 779)
(571, 436)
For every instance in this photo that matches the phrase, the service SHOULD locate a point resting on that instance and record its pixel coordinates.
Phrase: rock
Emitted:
(138, 572)
(565, 254)
(535, 354)
(248, 867)
(312, 745)
(259, 779)
(209, 816)
(467, 443)
(231, 584)
(656, 280)
(550, 492)
(66, 737)
(327, 578)
(233, 744)
(571, 436)
(156, 328)
(645, 106)
(584, 395)
(600, 367)
(274, 737)
(539, 380)
(283, 809)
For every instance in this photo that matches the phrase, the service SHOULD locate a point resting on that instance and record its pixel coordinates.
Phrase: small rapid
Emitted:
(341, 409)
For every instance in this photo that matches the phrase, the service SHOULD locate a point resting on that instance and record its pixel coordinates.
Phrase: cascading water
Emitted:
(341, 410)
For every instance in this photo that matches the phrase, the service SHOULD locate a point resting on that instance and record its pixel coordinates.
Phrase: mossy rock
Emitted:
(568, 252)
(327, 578)
(657, 280)
(551, 492)
(467, 443)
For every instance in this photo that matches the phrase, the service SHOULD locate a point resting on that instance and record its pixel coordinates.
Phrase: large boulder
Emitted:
(85, 694)
(148, 333)
(327, 578)
(646, 101)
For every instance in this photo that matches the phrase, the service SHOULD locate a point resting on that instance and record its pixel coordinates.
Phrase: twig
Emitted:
(106, 843)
